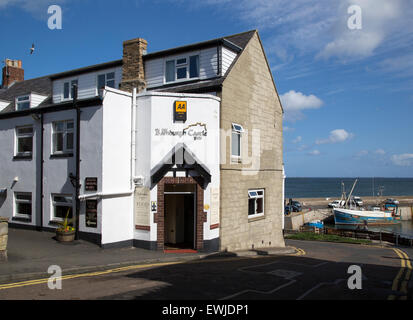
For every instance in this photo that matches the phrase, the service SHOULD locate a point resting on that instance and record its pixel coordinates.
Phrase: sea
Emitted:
(331, 187)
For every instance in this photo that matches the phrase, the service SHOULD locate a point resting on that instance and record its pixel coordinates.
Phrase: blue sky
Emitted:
(347, 94)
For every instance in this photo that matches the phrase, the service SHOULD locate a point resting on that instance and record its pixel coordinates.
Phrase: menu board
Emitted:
(91, 213)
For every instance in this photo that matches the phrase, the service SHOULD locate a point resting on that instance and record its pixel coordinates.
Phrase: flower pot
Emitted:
(67, 236)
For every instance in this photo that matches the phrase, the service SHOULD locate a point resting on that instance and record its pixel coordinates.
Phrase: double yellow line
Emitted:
(299, 252)
(82, 275)
(400, 285)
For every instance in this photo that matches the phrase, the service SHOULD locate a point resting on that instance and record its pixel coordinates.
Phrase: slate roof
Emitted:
(42, 86)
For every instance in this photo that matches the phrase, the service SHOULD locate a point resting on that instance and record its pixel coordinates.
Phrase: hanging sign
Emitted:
(180, 109)
(91, 184)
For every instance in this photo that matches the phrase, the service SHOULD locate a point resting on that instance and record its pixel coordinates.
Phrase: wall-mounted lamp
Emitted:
(35, 116)
(16, 179)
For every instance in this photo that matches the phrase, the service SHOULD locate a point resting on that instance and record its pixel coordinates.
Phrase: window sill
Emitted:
(55, 222)
(22, 157)
(236, 160)
(61, 155)
(256, 218)
(21, 219)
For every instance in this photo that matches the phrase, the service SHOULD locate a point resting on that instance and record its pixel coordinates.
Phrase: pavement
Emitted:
(31, 253)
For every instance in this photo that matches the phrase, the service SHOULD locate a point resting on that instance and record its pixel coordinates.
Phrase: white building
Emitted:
(151, 159)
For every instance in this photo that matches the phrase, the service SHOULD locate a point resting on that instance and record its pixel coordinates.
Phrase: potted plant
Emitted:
(66, 232)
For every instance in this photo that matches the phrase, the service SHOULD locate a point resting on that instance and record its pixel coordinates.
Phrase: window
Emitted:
(255, 203)
(68, 89)
(182, 68)
(23, 205)
(63, 136)
(106, 80)
(23, 103)
(24, 141)
(237, 131)
(62, 207)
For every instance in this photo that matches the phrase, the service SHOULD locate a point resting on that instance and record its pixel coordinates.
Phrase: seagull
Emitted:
(32, 49)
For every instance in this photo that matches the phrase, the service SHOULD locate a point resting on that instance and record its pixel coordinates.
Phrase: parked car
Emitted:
(293, 206)
(336, 203)
(357, 200)
(391, 201)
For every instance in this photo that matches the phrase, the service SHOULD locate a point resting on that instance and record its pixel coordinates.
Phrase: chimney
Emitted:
(133, 73)
(12, 72)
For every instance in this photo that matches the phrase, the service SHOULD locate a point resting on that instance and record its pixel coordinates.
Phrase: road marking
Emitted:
(400, 285)
(257, 291)
(299, 252)
(82, 275)
(318, 286)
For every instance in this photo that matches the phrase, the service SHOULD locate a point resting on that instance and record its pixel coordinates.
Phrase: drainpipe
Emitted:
(75, 105)
(133, 138)
(283, 199)
(41, 168)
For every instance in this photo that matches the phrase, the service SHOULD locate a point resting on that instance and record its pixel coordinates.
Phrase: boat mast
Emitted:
(351, 192)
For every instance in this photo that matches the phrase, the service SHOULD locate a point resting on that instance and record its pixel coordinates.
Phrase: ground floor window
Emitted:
(62, 207)
(255, 203)
(23, 205)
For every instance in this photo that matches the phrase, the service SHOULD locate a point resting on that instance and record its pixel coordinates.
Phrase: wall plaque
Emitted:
(142, 208)
(180, 109)
(91, 184)
(91, 213)
(214, 207)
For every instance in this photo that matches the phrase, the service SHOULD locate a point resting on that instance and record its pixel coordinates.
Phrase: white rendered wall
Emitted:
(155, 111)
(117, 212)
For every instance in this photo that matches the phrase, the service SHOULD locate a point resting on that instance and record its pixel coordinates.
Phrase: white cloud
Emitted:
(380, 19)
(403, 160)
(294, 102)
(336, 136)
(380, 152)
(298, 139)
(362, 153)
(314, 153)
(37, 8)
(288, 129)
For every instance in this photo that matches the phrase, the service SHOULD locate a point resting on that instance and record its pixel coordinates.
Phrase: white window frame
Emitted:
(177, 66)
(65, 132)
(19, 215)
(256, 196)
(63, 204)
(22, 135)
(238, 131)
(29, 100)
(70, 82)
(106, 80)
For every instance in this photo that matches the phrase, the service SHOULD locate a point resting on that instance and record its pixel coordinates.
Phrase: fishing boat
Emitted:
(316, 223)
(351, 214)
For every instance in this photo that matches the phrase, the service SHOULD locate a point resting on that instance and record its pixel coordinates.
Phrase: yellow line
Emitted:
(90, 274)
(404, 262)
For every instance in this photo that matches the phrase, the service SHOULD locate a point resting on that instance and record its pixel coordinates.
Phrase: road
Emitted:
(318, 270)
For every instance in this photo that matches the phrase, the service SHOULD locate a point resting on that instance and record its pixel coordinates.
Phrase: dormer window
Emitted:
(182, 68)
(106, 79)
(23, 103)
(68, 89)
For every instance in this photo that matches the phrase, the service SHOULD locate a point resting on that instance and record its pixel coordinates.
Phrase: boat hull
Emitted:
(357, 217)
